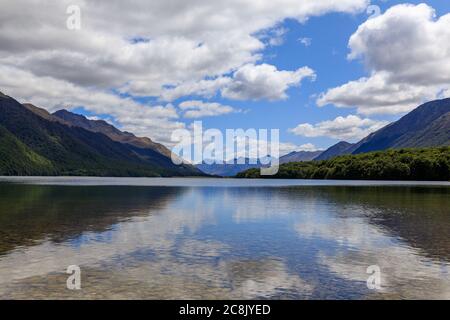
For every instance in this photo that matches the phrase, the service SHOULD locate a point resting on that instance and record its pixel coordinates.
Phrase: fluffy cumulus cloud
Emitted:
(378, 95)
(350, 128)
(253, 82)
(164, 49)
(249, 82)
(206, 88)
(407, 51)
(199, 109)
(185, 40)
(53, 94)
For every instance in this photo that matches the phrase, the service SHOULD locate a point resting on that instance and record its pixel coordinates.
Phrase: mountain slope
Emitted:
(112, 132)
(76, 151)
(43, 113)
(297, 156)
(338, 149)
(17, 159)
(437, 133)
(426, 126)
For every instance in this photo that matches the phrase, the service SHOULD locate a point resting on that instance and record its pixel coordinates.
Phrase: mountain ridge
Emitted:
(233, 167)
(109, 130)
(73, 150)
(300, 156)
(337, 149)
(67, 143)
(407, 131)
(426, 126)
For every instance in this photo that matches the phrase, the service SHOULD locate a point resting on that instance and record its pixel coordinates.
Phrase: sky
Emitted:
(320, 71)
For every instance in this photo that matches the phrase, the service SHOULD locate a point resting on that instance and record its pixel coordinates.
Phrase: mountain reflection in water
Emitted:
(184, 242)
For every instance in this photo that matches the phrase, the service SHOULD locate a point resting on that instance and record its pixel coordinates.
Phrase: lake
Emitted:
(181, 238)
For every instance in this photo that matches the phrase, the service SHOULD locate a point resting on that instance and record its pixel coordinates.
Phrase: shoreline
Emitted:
(207, 182)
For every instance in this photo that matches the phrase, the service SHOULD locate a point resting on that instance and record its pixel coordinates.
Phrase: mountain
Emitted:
(35, 142)
(16, 158)
(298, 156)
(338, 149)
(416, 164)
(426, 126)
(229, 168)
(232, 168)
(110, 131)
(42, 113)
(98, 126)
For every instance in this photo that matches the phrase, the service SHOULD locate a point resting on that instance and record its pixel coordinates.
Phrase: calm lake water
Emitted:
(223, 238)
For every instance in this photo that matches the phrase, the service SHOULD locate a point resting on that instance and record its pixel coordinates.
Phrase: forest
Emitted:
(428, 164)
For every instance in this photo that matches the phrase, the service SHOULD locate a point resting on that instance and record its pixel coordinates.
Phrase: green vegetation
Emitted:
(31, 145)
(18, 159)
(432, 164)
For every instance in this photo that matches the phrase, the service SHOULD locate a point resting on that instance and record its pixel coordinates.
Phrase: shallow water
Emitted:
(223, 238)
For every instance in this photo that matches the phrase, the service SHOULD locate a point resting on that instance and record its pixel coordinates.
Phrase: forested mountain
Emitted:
(426, 126)
(431, 164)
(109, 130)
(34, 142)
(407, 150)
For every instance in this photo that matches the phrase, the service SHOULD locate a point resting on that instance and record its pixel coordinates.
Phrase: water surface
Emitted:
(223, 238)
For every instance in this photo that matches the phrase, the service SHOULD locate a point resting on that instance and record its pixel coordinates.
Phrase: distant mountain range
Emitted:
(426, 126)
(233, 167)
(35, 142)
(229, 168)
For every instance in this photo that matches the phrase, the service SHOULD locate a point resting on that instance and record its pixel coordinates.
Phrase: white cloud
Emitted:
(254, 82)
(156, 122)
(305, 41)
(237, 145)
(254, 149)
(342, 128)
(276, 36)
(189, 43)
(250, 82)
(187, 40)
(407, 51)
(204, 88)
(376, 95)
(407, 41)
(306, 147)
(198, 109)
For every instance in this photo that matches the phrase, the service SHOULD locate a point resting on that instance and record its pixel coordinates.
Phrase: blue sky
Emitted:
(237, 64)
(327, 55)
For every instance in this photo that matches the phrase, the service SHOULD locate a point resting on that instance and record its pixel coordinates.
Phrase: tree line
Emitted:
(432, 164)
